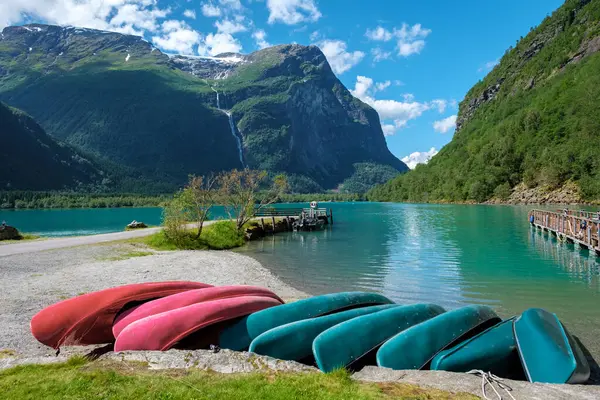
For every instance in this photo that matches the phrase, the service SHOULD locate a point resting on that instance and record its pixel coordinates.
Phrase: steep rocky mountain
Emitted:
(531, 123)
(32, 160)
(121, 99)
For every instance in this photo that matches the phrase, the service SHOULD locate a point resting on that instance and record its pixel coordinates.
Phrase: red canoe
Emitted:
(185, 299)
(88, 319)
(162, 331)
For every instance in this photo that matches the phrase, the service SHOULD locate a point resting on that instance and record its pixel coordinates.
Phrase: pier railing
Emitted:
(579, 227)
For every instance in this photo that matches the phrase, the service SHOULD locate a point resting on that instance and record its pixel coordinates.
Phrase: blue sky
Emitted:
(413, 61)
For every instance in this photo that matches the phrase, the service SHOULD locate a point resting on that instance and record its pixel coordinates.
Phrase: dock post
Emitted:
(287, 222)
(273, 219)
(262, 223)
(331, 216)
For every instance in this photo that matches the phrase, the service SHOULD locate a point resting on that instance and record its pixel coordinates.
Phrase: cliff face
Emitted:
(30, 159)
(280, 109)
(530, 123)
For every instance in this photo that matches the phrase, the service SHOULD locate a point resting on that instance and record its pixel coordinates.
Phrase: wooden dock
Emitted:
(579, 227)
(306, 219)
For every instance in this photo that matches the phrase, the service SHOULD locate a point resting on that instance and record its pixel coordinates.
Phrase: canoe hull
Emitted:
(240, 335)
(163, 331)
(548, 352)
(293, 341)
(493, 350)
(353, 343)
(184, 299)
(414, 347)
(88, 319)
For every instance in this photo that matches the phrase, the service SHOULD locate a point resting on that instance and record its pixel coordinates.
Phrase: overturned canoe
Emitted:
(165, 330)
(493, 350)
(240, 335)
(414, 347)
(293, 341)
(548, 352)
(88, 319)
(185, 299)
(354, 343)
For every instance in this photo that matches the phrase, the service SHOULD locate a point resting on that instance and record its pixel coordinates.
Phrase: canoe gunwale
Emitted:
(471, 333)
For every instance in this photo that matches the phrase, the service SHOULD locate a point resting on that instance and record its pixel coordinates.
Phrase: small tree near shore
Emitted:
(190, 205)
(240, 193)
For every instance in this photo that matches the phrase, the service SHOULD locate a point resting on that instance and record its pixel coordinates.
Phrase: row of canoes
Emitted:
(340, 330)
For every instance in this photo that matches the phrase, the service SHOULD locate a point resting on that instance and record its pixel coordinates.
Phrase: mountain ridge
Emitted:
(121, 99)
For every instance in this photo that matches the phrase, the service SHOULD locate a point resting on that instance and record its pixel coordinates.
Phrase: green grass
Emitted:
(78, 379)
(221, 235)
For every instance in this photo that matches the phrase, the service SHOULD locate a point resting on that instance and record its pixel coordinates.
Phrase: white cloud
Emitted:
(220, 43)
(228, 26)
(379, 34)
(125, 16)
(190, 14)
(260, 37)
(291, 12)
(440, 105)
(488, 65)
(234, 5)
(406, 49)
(410, 39)
(445, 124)
(399, 113)
(314, 36)
(419, 157)
(178, 36)
(211, 10)
(340, 59)
(380, 55)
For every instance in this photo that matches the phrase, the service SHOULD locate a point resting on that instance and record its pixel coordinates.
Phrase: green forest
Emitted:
(541, 129)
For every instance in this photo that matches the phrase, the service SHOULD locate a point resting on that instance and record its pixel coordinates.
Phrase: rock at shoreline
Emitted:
(136, 225)
(9, 233)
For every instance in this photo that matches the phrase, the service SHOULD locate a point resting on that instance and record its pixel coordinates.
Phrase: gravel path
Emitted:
(31, 282)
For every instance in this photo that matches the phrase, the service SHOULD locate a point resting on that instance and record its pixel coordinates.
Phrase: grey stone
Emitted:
(461, 382)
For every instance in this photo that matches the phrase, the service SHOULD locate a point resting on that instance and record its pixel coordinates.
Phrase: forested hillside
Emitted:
(533, 120)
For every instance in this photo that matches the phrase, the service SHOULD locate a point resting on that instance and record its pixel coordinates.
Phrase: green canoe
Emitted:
(414, 347)
(294, 341)
(494, 350)
(354, 343)
(548, 352)
(239, 335)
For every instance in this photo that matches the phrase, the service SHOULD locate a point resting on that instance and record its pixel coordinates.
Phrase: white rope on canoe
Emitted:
(489, 378)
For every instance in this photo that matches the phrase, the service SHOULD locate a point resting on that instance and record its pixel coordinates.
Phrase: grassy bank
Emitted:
(220, 235)
(78, 379)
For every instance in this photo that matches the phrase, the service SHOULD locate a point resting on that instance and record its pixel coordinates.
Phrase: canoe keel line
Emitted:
(349, 329)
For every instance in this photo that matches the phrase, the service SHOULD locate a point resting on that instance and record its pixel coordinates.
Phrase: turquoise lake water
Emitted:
(451, 255)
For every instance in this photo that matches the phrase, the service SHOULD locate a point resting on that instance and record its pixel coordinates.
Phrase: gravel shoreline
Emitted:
(33, 281)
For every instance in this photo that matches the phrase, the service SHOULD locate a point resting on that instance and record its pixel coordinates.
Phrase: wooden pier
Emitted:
(306, 219)
(579, 227)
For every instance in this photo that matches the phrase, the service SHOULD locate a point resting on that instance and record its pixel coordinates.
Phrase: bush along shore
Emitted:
(185, 215)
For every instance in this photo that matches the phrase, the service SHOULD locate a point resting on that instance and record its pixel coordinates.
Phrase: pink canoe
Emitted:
(185, 299)
(163, 331)
(88, 319)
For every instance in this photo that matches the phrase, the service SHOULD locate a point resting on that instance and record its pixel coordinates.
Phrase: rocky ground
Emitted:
(521, 194)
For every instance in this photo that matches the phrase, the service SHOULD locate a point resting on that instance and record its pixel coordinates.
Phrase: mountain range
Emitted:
(145, 120)
(529, 129)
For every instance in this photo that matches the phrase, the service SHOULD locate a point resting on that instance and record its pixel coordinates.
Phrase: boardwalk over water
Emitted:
(579, 227)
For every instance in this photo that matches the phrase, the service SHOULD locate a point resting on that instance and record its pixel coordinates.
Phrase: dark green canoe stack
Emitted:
(354, 329)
